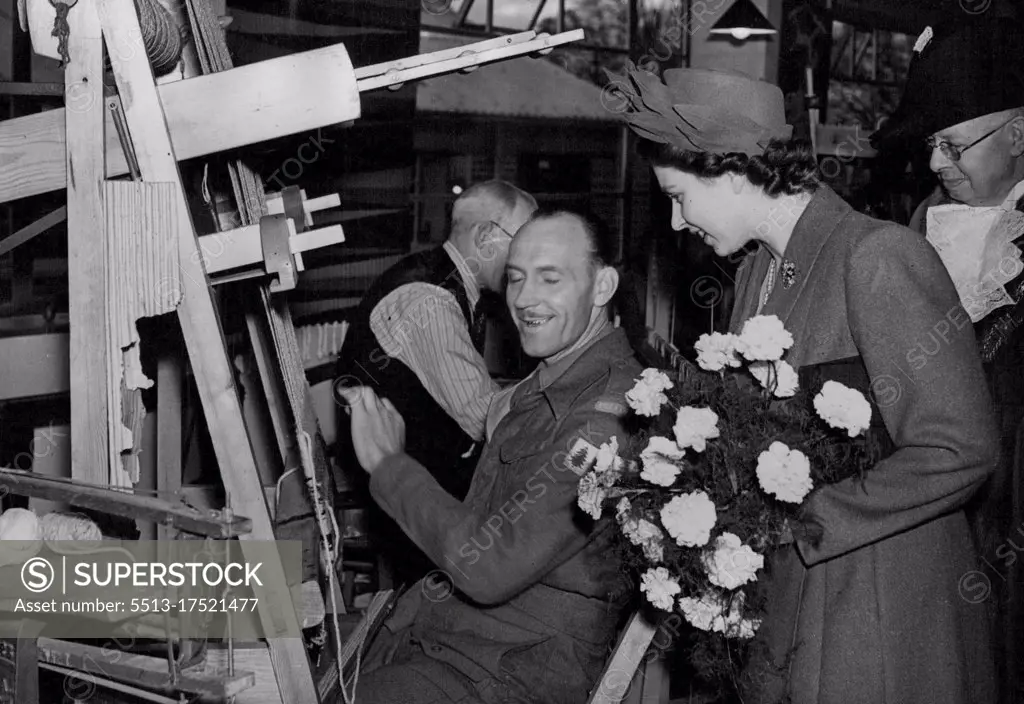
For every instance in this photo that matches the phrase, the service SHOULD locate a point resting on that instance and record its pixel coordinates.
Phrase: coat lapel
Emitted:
(812, 231)
(748, 287)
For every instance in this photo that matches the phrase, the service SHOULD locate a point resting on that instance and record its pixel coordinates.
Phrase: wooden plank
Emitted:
(469, 57)
(19, 673)
(28, 88)
(143, 670)
(37, 228)
(142, 252)
(170, 377)
(272, 387)
(434, 56)
(123, 503)
(34, 365)
(204, 338)
(245, 105)
(206, 114)
(242, 246)
(621, 668)
(87, 266)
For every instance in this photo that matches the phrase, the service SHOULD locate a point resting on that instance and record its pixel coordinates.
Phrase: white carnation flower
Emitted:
(732, 564)
(622, 508)
(640, 532)
(711, 613)
(843, 408)
(608, 456)
(764, 338)
(695, 426)
(716, 351)
(591, 495)
(659, 447)
(654, 551)
(660, 588)
(648, 394)
(689, 518)
(780, 373)
(659, 472)
(784, 473)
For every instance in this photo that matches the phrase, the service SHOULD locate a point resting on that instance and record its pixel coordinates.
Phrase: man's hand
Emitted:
(378, 431)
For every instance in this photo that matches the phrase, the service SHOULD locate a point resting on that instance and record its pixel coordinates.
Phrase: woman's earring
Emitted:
(789, 272)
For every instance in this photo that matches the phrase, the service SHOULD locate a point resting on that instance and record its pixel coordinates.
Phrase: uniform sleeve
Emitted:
(422, 326)
(534, 527)
(918, 346)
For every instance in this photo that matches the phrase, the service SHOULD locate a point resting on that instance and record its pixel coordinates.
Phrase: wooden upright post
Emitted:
(86, 170)
(204, 340)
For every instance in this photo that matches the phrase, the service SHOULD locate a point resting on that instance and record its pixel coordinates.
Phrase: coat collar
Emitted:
(592, 365)
(814, 228)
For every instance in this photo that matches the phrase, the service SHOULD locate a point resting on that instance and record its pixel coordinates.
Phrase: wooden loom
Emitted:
(143, 226)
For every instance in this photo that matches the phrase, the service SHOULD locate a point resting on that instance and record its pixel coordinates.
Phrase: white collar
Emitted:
(468, 277)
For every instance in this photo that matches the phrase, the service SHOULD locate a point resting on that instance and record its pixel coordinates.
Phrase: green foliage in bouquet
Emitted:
(719, 479)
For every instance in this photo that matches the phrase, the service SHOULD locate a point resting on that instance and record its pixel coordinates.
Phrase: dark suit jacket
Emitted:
(538, 590)
(886, 609)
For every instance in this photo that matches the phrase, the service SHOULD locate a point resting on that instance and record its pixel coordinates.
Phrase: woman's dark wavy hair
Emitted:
(785, 168)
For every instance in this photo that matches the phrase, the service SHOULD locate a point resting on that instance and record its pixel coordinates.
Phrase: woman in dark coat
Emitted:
(883, 607)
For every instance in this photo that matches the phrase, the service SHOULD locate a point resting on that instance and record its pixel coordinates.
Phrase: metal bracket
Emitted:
(121, 124)
(275, 233)
(294, 206)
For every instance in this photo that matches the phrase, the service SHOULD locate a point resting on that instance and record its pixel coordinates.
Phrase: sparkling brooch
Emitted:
(789, 273)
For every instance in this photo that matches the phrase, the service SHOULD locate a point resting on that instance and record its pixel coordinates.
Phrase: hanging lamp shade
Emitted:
(742, 21)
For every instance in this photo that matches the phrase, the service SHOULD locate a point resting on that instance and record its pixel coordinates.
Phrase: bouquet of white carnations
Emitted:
(719, 477)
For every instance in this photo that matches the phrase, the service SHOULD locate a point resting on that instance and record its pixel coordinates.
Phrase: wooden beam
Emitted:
(34, 365)
(55, 90)
(87, 265)
(170, 378)
(242, 246)
(142, 255)
(123, 503)
(32, 231)
(145, 671)
(205, 115)
(204, 338)
(470, 57)
(249, 104)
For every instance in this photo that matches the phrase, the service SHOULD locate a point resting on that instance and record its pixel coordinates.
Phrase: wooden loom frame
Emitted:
(165, 124)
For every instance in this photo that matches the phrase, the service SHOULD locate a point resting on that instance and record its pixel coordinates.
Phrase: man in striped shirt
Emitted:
(417, 340)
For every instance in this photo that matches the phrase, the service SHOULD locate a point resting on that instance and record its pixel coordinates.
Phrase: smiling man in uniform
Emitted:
(534, 592)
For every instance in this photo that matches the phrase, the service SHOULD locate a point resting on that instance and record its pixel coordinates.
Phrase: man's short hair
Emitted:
(487, 200)
(602, 246)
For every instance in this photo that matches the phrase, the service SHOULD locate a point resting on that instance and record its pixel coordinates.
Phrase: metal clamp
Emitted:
(294, 206)
(275, 235)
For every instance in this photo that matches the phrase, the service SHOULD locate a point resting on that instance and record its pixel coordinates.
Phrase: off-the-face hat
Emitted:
(962, 69)
(703, 109)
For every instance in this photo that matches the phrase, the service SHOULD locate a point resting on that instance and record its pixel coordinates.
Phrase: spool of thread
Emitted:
(19, 535)
(69, 526)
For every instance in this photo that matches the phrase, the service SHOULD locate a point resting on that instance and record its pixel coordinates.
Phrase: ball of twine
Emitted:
(69, 526)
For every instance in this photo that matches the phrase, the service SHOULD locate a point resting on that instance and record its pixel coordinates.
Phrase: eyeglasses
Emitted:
(503, 230)
(953, 152)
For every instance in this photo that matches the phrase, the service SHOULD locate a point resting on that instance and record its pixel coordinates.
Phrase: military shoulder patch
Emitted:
(581, 457)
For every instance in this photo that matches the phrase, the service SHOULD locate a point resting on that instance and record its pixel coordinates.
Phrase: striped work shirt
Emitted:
(422, 326)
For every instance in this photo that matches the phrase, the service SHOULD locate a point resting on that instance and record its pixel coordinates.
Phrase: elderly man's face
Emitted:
(494, 252)
(551, 285)
(985, 173)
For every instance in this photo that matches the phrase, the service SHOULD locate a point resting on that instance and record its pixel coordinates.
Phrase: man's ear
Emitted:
(1017, 136)
(606, 283)
(480, 233)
